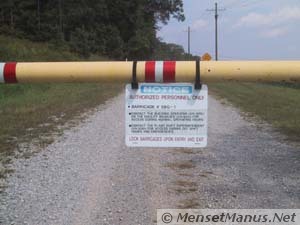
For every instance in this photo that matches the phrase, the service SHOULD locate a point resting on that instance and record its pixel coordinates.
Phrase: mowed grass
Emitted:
(278, 104)
(33, 111)
(26, 107)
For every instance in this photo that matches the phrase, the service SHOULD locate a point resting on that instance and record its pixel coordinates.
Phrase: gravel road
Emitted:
(88, 176)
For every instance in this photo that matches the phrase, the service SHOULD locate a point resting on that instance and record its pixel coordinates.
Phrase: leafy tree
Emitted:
(117, 28)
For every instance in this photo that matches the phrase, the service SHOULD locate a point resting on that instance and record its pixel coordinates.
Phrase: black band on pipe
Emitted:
(134, 83)
(198, 84)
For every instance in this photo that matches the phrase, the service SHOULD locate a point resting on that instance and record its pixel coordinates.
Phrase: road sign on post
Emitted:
(206, 57)
(166, 115)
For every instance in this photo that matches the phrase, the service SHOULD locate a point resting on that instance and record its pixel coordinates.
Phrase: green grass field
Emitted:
(34, 110)
(277, 104)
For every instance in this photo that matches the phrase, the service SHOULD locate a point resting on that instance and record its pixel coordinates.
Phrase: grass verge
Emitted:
(33, 111)
(23, 108)
(278, 104)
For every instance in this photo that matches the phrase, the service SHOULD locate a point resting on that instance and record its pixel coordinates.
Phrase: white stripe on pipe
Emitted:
(2, 72)
(159, 71)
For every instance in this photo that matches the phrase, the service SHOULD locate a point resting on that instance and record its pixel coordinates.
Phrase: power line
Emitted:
(234, 4)
(252, 3)
(242, 4)
(204, 13)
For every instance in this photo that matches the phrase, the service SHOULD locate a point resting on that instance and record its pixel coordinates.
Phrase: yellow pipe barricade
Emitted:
(150, 71)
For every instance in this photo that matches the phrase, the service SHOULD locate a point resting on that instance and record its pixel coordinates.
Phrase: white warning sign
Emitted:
(166, 115)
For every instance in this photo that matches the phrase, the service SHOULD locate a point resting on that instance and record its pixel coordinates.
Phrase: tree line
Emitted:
(116, 28)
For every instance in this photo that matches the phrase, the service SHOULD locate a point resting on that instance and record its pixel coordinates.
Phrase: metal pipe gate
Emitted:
(149, 71)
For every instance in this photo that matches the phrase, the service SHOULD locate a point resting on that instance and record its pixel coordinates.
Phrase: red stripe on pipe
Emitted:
(169, 71)
(150, 71)
(10, 73)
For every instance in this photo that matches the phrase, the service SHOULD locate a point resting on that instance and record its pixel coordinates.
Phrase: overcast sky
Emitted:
(248, 29)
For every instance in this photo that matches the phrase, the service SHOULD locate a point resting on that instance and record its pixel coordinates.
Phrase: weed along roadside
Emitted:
(275, 103)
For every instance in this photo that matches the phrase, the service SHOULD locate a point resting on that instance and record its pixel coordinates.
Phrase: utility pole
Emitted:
(216, 10)
(189, 40)
(216, 31)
